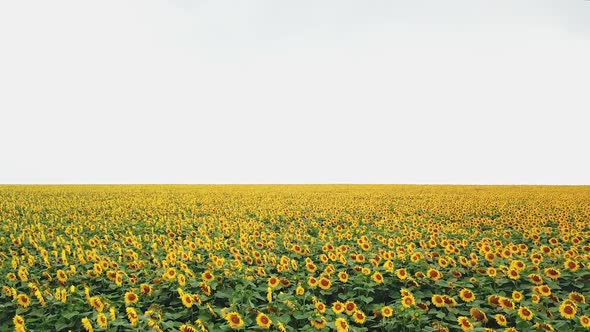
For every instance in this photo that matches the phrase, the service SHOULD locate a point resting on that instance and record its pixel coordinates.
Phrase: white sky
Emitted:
(414, 91)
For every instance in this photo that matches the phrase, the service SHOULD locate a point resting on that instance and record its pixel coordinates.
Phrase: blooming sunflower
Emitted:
(359, 317)
(23, 300)
(350, 307)
(343, 276)
(131, 298)
(338, 307)
(501, 319)
(464, 323)
(187, 328)
(568, 309)
(325, 283)
(187, 300)
(263, 321)
(273, 282)
(507, 303)
(525, 313)
(577, 297)
(438, 301)
(320, 307)
(312, 282)
(401, 273)
(434, 274)
(478, 315)
(132, 316)
(387, 311)
(318, 323)
(552, 273)
(466, 295)
(299, 290)
(341, 324)
(234, 320)
(377, 277)
(408, 301)
(102, 320)
(87, 324)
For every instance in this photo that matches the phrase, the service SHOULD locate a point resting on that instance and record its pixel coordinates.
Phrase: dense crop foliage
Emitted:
(294, 258)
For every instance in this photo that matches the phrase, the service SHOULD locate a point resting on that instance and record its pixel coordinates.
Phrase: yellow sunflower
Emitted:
(234, 320)
(387, 311)
(263, 321)
(525, 313)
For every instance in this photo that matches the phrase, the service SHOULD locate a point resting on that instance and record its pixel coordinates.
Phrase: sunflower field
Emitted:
(294, 258)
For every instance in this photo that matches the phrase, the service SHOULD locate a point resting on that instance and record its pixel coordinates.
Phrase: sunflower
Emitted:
(377, 277)
(501, 319)
(87, 324)
(146, 289)
(187, 300)
(23, 300)
(131, 298)
(389, 266)
(263, 321)
(491, 272)
(102, 320)
(320, 307)
(552, 273)
(507, 303)
(341, 324)
(343, 276)
(434, 274)
(451, 302)
(536, 279)
(571, 265)
(132, 316)
(464, 323)
(338, 307)
(517, 296)
(62, 276)
(387, 311)
(543, 326)
(186, 328)
(568, 309)
(544, 290)
(205, 288)
(200, 325)
(350, 307)
(577, 297)
(585, 321)
(181, 279)
(466, 295)
(234, 320)
(313, 282)
(525, 313)
(299, 290)
(273, 282)
(18, 321)
(359, 317)
(318, 323)
(112, 313)
(325, 283)
(478, 315)
(513, 274)
(438, 301)
(170, 273)
(408, 301)
(401, 273)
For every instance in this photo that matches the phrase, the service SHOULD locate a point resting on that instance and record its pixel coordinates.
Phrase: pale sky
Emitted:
(440, 91)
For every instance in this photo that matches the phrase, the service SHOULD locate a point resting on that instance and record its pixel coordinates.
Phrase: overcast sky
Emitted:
(470, 91)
